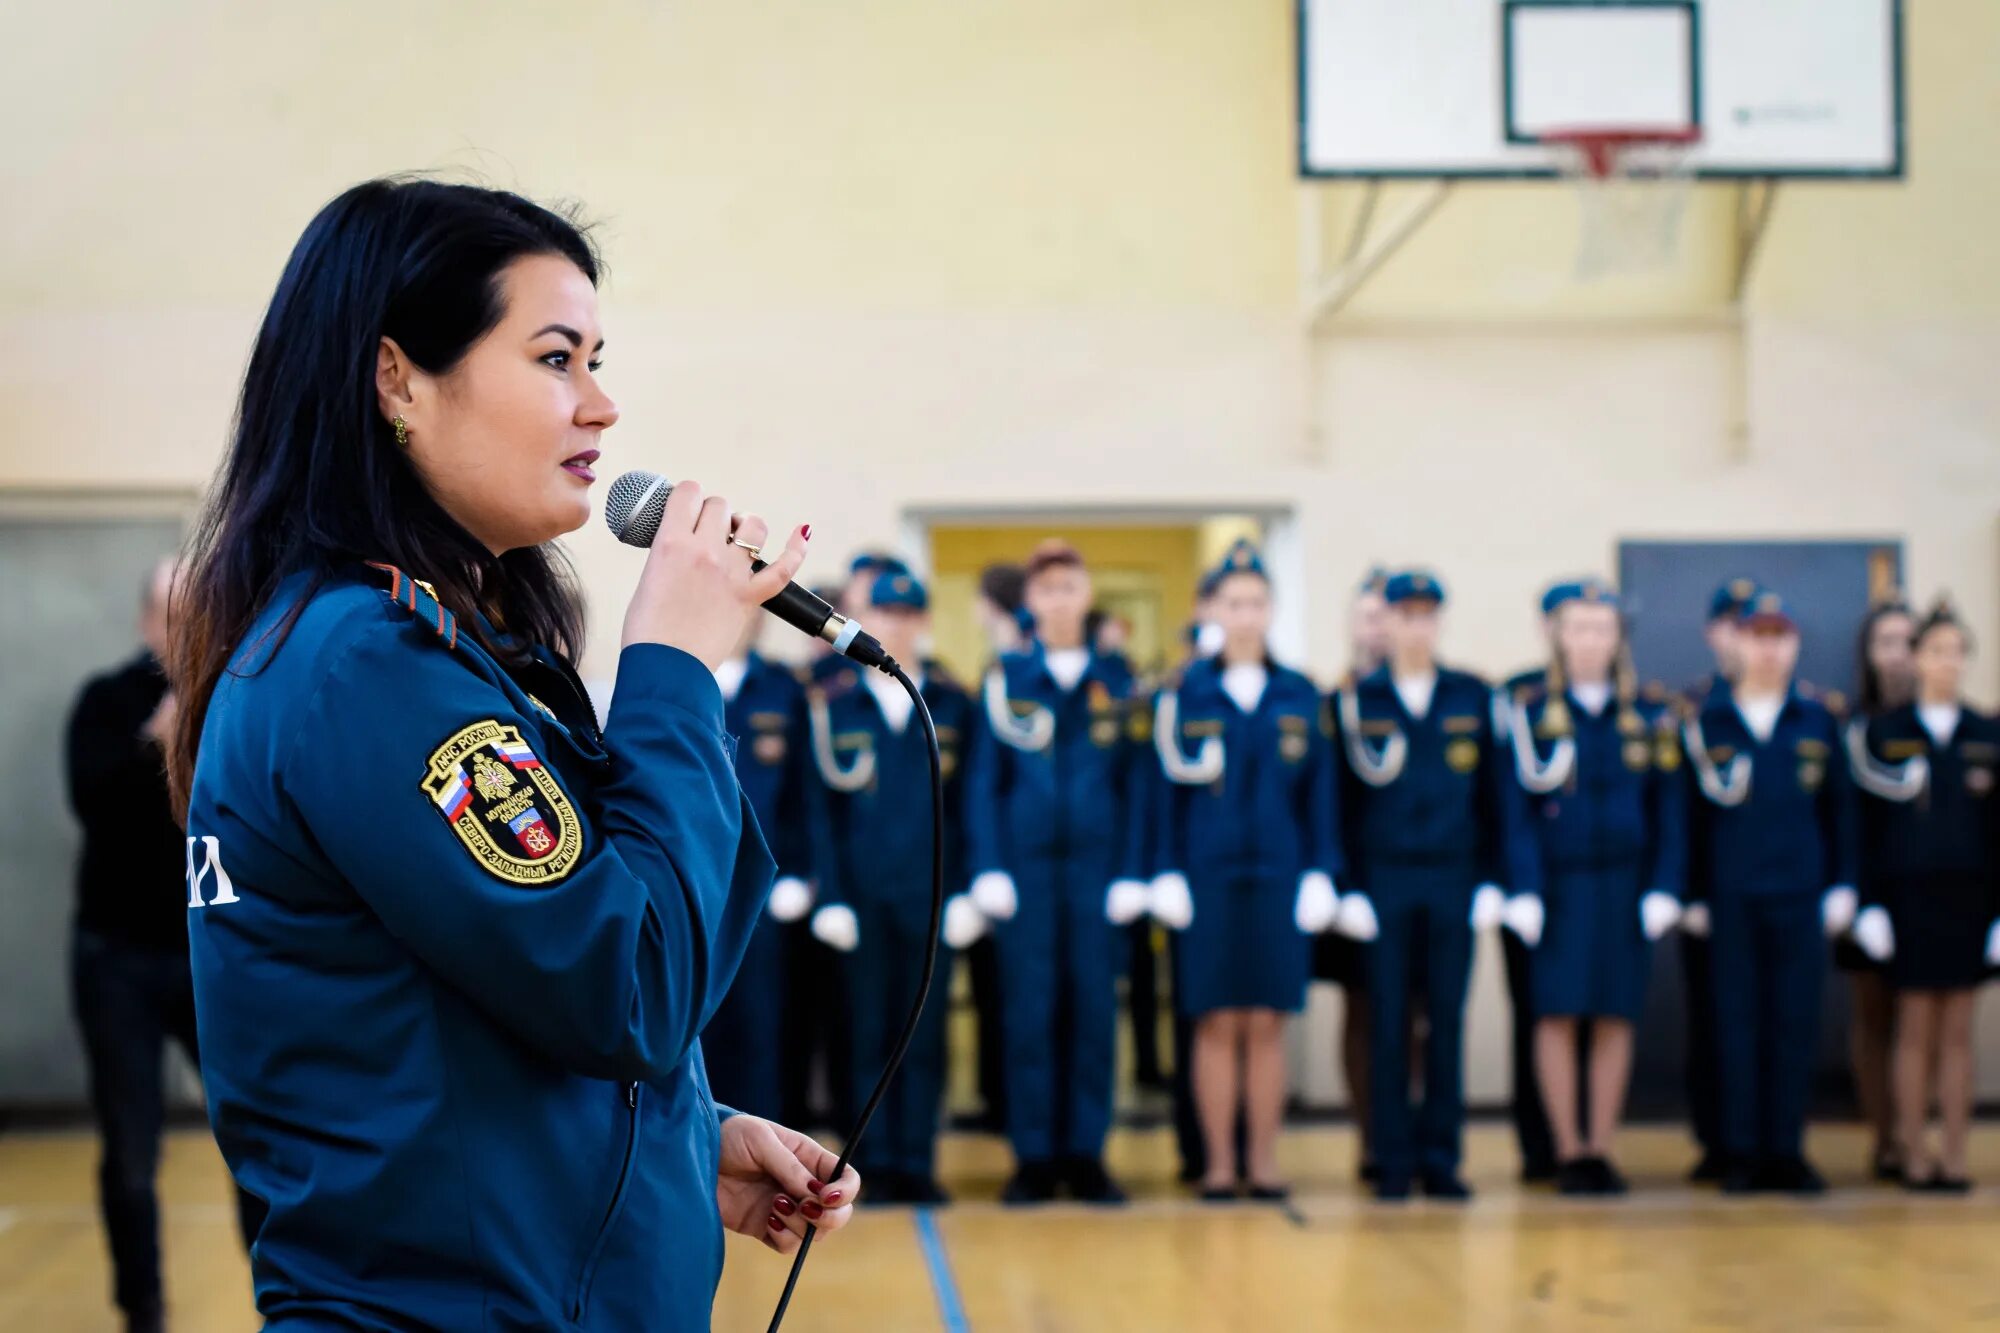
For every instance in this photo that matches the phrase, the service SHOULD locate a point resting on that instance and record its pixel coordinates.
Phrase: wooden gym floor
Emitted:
(1668, 1257)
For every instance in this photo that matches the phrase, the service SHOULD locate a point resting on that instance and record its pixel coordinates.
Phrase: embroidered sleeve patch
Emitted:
(503, 805)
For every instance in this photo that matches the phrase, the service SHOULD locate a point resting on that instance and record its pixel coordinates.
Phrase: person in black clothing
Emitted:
(1931, 866)
(1887, 682)
(129, 975)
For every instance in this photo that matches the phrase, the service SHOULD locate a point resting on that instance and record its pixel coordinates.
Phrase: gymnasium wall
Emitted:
(892, 254)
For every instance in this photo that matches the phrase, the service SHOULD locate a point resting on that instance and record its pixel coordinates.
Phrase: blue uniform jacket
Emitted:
(1773, 817)
(1446, 804)
(1621, 804)
(1272, 814)
(768, 720)
(1947, 827)
(1072, 799)
(451, 958)
(872, 838)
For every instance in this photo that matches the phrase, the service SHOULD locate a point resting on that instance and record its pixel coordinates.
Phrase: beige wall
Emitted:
(892, 254)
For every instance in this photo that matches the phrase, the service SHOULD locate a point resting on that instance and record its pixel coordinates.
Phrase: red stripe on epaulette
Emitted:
(396, 577)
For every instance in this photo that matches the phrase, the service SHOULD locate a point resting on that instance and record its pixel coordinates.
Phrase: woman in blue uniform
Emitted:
(1246, 843)
(1773, 824)
(1598, 841)
(872, 842)
(1931, 879)
(1421, 808)
(453, 943)
(1887, 680)
(1052, 835)
(747, 1042)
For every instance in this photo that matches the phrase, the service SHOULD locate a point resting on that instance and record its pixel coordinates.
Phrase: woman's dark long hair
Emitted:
(314, 478)
(1872, 698)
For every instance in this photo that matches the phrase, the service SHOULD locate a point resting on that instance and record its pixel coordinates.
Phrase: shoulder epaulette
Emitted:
(421, 600)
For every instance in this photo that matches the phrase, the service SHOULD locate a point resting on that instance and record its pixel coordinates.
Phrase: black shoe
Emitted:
(1391, 1189)
(1740, 1177)
(1887, 1167)
(1712, 1169)
(924, 1191)
(1367, 1172)
(146, 1323)
(1944, 1184)
(1219, 1194)
(1540, 1172)
(1033, 1182)
(1089, 1182)
(1792, 1175)
(1191, 1173)
(1610, 1180)
(1268, 1193)
(1574, 1177)
(1444, 1186)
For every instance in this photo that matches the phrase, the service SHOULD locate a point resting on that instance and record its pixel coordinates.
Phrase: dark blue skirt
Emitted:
(1592, 960)
(1244, 950)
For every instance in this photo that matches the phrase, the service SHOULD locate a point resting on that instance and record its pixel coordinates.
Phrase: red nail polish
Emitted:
(806, 532)
(812, 1211)
(774, 1222)
(814, 1186)
(785, 1206)
(833, 1199)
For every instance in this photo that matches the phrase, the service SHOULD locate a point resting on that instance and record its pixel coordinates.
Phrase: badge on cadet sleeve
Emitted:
(1104, 732)
(1978, 779)
(1462, 754)
(1667, 745)
(505, 807)
(1638, 754)
(1812, 772)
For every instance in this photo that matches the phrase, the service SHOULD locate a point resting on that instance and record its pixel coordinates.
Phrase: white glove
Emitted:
(1874, 934)
(1525, 916)
(1172, 900)
(963, 923)
(837, 928)
(1658, 911)
(1993, 946)
(1489, 906)
(1837, 909)
(1694, 920)
(1126, 901)
(791, 898)
(993, 892)
(1355, 918)
(1318, 902)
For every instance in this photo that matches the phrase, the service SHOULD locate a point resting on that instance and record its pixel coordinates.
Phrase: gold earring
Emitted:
(402, 432)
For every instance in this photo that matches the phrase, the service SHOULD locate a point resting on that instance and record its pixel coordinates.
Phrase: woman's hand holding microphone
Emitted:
(696, 592)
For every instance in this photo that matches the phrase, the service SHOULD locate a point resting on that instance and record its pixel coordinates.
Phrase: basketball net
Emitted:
(1632, 189)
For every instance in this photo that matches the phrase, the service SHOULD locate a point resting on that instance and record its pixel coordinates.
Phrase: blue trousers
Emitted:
(1425, 932)
(1767, 961)
(882, 977)
(744, 1043)
(1059, 967)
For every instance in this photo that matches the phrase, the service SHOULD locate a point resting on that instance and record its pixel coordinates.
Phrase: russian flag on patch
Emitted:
(453, 799)
(517, 753)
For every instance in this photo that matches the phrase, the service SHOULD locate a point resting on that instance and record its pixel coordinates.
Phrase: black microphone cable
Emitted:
(890, 667)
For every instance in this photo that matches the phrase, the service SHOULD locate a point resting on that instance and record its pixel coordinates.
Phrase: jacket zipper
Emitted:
(612, 1209)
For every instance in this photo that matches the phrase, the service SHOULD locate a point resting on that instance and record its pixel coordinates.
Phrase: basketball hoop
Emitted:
(1632, 188)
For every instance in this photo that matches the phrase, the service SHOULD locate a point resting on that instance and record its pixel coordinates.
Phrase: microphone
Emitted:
(633, 509)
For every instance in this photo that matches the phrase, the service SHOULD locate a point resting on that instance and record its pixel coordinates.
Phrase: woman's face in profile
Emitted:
(506, 441)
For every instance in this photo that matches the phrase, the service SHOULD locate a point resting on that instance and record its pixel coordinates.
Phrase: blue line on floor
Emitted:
(950, 1309)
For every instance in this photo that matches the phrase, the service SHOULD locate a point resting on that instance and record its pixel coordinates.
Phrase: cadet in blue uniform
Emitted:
(1888, 680)
(1421, 814)
(1774, 821)
(1725, 607)
(1598, 839)
(872, 840)
(1931, 879)
(747, 1042)
(1246, 844)
(452, 943)
(1053, 842)
(1531, 1122)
